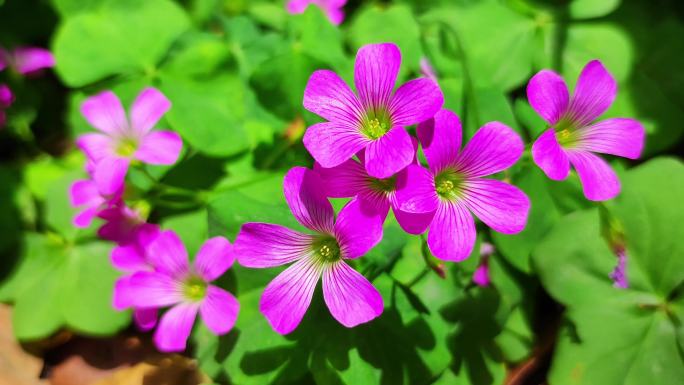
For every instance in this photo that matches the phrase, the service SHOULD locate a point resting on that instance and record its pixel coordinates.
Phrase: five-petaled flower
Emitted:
(331, 8)
(574, 136)
(173, 282)
(454, 187)
(351, 298)
(122, 141)
(375, 120)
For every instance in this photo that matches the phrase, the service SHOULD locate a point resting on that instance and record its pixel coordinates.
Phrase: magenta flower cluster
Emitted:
(154, 262)
(362, 151)
(26, 61)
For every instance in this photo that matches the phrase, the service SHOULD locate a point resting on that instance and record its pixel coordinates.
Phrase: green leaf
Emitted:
(606, 42)
(118, 36)
(319, 38)
(586, 9)
(379, 24)
(54, 275)
(620, 334)
(499, 52)
(198, 54)
(543, 215)
(218, 117)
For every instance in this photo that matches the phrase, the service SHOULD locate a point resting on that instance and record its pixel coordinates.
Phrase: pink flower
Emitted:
(574, 136)
(85, 193)
(6, 100)
(454, 186)
(26, 60)
(352, 300)
(122, 141)
(427, 70)
(481, 274)
(375, 120)
(331, 8)
(186, 288)
(350, 179)
(619, 274)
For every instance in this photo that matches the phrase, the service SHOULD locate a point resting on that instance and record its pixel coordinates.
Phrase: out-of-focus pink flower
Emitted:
(86, 194)
(481, 275)
(26, 60)
(187, 289)
(619, 274)
(6, 100)
(331, 8)
(122, 141)
(427, 70)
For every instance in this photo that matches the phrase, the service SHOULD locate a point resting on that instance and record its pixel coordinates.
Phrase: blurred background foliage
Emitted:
(235, 71)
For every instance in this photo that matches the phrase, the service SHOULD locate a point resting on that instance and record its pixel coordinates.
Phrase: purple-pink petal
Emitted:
(286, 299)
(358, 228)
(619, 274)
(494, 148)
(149, 106)
(214, 258)
(168, 254)
(352, 300)
(332, 143)
(175, 327)
(328, 96)
(548, 95)
(599, 181)
(110, 173)
(105, 112)
(345, 180)
(145, 318)
(96, 146)
(415, 101)
(219, 310)
(452, 232)
(267, 245)
(441, 139)
(595, 91)
(121, 295)
(305, 195)
(159, 147)
(6, 96)
(427, 70)
(154, 289)
(413, 223)
(375, 73)
(416, 190)
(617, 136)
(31, 59)
(130, 257)
(481, 275)
(501, 206)
(550, 156)
(389, 154)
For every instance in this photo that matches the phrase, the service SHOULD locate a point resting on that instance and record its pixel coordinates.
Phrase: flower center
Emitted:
(127, 147)
(386, 185)
(448, 184)
(565, 133)
(376, 124)
(194, 288)
(327, 249)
